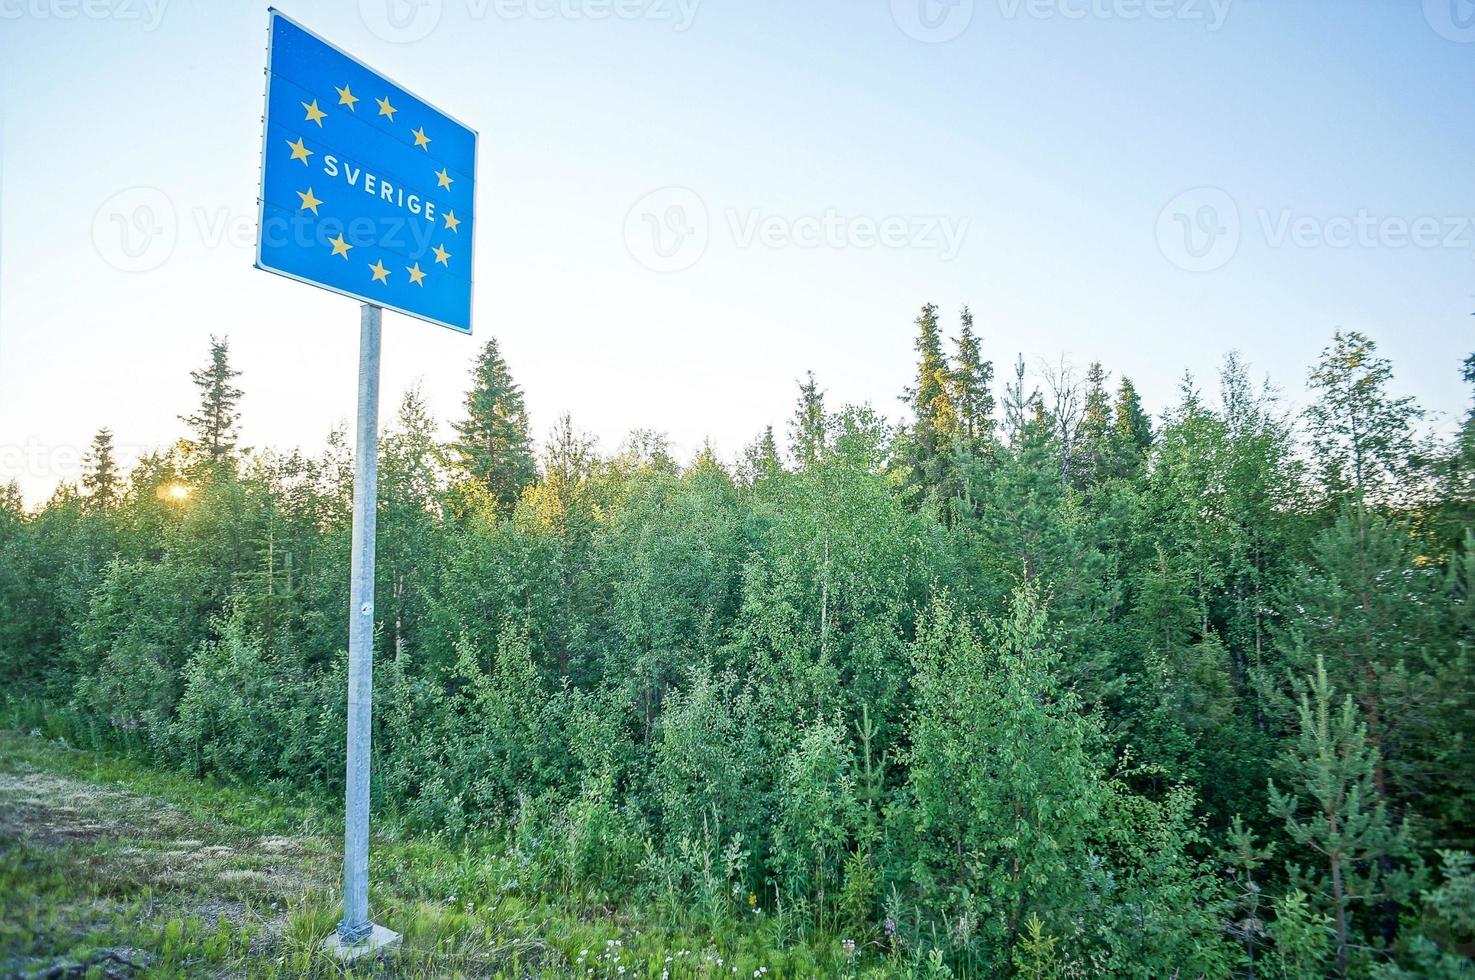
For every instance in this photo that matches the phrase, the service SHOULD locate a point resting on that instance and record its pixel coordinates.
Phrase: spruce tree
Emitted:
(1467, 431)
(809, 428)
(1019, 406)
(493, 443)
(935, 416)
(971, 382)
(760, 458)
(1129, 420)
(100, 478)
(1095, 433)
(1096, 423)
(214, 423)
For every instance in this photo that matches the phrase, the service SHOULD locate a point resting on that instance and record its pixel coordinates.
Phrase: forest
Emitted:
(1027, 681)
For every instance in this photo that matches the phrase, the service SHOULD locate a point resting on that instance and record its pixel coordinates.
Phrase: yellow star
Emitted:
(340, 247)
(309, 202)
(300, 150)
(314, 114)
(442, 178)
(416, 276)
(385, 109)
(421, 140)
(381, 274)
(345, 97)
(442, 256)
(452, 222)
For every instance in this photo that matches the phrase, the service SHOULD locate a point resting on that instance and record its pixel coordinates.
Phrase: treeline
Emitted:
(1031, 684)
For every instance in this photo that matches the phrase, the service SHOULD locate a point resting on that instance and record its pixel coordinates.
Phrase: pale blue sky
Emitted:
(1053, 140)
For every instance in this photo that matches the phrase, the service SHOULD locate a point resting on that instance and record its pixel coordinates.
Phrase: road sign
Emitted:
(366, 189)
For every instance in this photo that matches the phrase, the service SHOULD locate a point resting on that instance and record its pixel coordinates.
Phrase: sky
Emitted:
(683, 205)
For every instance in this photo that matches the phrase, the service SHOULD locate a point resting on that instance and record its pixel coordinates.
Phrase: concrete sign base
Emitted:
(371, 945)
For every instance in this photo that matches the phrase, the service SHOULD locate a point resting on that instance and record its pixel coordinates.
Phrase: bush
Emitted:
(246, 717)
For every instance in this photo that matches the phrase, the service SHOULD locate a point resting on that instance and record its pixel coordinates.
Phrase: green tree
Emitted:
(1131, 429)
(1245, 858)
(411, 531)
(1300, 936)
(100, 477)
(1019, 405)
(1439, 946)
(935, 416)
(1095, 430)
(1362, 435)
(971, 388)
(760, 459)
(1363, 607)
(932, 409)
(1003, 778)
(493, 444)
(817, 811)
(809, 426)
(214, 422)
(563, 508)
(1332, 811)
(706, 767)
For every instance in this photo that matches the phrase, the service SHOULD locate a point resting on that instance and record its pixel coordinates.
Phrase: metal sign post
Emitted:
(356, 933)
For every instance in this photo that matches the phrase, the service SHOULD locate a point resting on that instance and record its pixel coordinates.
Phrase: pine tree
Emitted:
(809, 428)
(1332, 810)
(215, 422)
(101, 479)
(1362, 605)
(493, 443)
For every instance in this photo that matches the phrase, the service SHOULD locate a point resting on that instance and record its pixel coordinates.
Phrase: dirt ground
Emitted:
(90, 868)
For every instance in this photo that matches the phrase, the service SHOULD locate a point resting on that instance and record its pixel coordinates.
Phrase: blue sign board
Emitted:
(365, 189)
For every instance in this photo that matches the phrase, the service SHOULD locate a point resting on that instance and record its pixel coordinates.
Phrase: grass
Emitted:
(121, 869)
